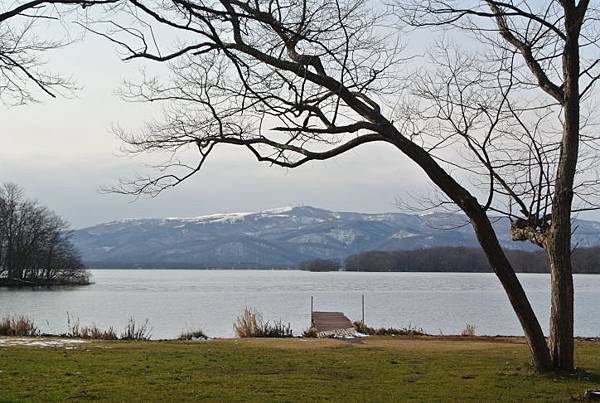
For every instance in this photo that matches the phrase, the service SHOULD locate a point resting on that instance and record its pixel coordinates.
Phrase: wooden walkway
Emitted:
(326, 322)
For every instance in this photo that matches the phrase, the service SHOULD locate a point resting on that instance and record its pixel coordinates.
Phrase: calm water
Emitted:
(177, 300)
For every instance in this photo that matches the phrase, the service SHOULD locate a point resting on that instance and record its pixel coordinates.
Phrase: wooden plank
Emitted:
(328, 321)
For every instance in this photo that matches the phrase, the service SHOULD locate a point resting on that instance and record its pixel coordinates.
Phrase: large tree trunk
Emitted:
(558, 245)
(489, 243)
(561, 311)
(512, 286)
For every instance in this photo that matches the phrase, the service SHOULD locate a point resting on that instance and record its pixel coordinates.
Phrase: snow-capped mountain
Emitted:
(281, 237)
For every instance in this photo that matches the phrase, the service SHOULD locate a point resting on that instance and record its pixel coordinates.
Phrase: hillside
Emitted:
(281, 237)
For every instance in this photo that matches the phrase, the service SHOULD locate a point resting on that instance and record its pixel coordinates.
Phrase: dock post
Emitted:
(363, 309)
(311, 311)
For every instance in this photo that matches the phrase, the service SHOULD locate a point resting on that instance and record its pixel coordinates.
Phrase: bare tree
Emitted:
(34, 244)
(541, 64)
(23, 41)
(297, 81)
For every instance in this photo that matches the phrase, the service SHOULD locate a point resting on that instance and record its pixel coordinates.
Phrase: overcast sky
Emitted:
(61, 151)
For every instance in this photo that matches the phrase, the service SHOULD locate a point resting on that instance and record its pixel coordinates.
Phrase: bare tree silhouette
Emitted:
(524, 107)
(34, 244)
(22, 44)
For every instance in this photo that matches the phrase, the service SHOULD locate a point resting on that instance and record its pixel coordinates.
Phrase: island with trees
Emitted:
(34, 244)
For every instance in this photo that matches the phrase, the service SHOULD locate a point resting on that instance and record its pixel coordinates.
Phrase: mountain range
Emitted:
(282, 237)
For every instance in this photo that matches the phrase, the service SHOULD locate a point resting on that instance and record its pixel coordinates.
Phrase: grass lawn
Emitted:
(370, 369)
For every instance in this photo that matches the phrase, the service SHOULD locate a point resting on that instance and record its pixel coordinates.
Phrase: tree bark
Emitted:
(561, 310)
(558, 245)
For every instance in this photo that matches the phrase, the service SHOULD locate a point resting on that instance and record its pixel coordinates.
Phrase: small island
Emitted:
(35, 249)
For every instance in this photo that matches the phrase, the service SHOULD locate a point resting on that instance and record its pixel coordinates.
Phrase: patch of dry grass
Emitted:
(387, 331)
(135, 331)
(18, 326)
(75, 330)
(250, 324)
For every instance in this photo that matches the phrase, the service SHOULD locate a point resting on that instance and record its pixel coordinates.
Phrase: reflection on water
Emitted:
(178, 300)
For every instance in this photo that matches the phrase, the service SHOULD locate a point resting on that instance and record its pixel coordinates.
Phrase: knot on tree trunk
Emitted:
(532, 230)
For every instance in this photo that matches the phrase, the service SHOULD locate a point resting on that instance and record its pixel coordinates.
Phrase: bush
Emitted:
(247, 323)
(250, 324)
(277, 329)
(193, 335)
(360, 327)
(18, 326)
(133, 331)
(92, 332)
(469, 330)
(75, 330)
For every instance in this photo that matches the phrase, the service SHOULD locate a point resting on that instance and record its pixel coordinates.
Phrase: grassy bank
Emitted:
(374, 369)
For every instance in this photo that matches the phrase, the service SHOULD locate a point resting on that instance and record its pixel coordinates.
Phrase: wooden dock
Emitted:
(329, 323)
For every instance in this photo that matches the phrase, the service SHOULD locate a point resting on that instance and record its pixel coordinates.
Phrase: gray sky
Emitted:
(61, 151)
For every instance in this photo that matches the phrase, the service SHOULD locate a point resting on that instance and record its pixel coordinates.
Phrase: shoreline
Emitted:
(16, 284)
(425, 337)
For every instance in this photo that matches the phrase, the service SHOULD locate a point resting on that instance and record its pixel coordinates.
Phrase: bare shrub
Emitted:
(277, 329)
(75, 330)
(247, 324)
(250, 324)
(133, 331)
(18, 326)
(72, 326)
(5, 327)
(93, 332)
(469, 330)
(387, 331)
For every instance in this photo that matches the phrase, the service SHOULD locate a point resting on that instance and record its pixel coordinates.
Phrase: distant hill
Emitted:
(282, 237)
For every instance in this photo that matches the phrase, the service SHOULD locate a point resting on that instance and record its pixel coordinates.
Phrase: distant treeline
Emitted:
(129, 265)
(451, 259)
(34, 244)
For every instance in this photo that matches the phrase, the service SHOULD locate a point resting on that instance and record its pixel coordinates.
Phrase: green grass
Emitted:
(373, 369)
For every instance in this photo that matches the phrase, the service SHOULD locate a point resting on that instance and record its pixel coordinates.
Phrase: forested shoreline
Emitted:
(451, 259)
(35, 249)
(438, 259)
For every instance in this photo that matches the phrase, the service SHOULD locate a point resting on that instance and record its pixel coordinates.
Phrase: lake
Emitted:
(178, 300)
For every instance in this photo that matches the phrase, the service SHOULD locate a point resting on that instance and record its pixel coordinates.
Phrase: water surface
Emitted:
(178, 300)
